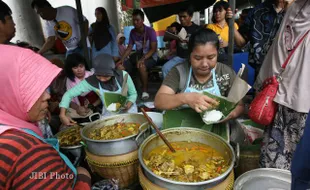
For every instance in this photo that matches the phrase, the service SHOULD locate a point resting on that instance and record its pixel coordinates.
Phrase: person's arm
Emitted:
(153, 48)
(126, 53)
(86, 27)
(49, 44)
(242, 35)
(239, 40)
(90, 34)
(151, 52)
(82, 87)
(132, 92)
(114, 46)
(235, 113)
(167, 99)
(166, 37)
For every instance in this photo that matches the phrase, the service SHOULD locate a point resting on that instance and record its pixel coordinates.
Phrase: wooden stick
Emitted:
(157, 130)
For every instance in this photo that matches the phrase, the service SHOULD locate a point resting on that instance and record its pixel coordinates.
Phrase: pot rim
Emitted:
(71, 147)
(67, 147)
(224, 175)
(112, 140)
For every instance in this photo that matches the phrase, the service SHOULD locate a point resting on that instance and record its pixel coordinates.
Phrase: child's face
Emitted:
(121, 40)
(103, 78)
(174, 30)
(79, 71)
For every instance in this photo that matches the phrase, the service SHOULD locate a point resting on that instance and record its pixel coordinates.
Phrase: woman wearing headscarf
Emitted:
(105, 80)
(282, 136)
(28, 161)
(103, 35)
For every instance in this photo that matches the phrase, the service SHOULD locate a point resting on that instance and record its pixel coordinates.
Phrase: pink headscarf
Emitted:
(24, 76)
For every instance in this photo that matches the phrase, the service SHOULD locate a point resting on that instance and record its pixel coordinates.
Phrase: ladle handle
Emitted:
(157, 130)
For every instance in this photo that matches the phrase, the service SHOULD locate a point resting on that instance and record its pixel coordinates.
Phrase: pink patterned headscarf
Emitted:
(24, 76)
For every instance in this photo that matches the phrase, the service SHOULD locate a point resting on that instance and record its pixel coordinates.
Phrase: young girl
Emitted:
(105, 79)
(76, 70)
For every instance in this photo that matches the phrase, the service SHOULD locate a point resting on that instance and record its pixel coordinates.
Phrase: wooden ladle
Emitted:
(157, 130)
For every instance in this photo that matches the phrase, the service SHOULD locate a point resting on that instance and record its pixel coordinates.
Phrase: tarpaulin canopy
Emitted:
(136, 4)
(158, 9)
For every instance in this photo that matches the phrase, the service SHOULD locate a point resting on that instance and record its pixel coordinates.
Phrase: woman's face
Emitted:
(103, 78)
(219, 14)
(121, 40)
(39, 110)
(203, 59)
(98, 15)
(79, 71)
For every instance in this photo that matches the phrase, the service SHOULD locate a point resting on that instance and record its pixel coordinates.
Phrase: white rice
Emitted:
(212, 116)
(112, 107)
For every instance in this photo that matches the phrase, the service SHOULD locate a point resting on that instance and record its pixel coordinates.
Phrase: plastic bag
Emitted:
(107, 184)
(252, 130)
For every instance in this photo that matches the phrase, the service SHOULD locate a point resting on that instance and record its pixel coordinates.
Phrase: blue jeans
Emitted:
(171, 63)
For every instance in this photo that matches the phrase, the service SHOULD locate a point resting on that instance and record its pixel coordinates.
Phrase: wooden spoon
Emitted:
(157, 130)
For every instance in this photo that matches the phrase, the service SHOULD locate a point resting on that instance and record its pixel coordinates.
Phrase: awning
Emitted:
(158, 9)
(136, 4)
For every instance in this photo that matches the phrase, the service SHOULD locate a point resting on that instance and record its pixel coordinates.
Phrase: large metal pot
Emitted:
(116, 146)
(74, 153)
(186, 134)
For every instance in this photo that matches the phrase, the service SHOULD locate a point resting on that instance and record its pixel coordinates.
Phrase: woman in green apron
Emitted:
(186, 82)
(105, 80)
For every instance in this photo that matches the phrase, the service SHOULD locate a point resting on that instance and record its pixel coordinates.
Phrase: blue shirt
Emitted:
(111, 48)
(260, 28)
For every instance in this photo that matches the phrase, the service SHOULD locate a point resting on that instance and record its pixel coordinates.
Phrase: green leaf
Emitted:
(110, 98)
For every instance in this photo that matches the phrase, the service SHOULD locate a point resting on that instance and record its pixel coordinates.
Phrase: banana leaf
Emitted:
(225, 106)
(110, 98)
(188, 117)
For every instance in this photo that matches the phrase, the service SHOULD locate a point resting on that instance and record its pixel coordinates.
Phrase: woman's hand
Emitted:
(82, 111)
(230, 116)
(121, 67)
(140, 63)
(239, 110)
(230, 14)
(128, 105)
(67, 121)
(199, 102)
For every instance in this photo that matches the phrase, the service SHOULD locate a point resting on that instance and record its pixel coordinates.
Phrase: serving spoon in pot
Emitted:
(157, 130)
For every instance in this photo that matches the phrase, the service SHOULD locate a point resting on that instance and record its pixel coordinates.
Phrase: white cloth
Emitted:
(294, 89)
(69, 28)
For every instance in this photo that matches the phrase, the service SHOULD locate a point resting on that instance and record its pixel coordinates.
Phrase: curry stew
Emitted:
(192, 162)
(116, 131)
(70, 137)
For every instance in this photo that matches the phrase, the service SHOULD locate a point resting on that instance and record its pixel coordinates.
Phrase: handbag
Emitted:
(263, 109)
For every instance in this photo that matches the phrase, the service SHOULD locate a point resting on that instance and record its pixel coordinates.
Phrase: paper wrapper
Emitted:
(237, 92)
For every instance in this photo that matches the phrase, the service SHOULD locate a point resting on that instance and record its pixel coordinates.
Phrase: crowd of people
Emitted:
(60, 92)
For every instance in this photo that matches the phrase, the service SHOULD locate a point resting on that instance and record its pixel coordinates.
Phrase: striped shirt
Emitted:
(28, 163)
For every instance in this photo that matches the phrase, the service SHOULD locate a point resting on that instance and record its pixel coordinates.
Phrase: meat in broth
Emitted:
(116, 131)
(192, 162)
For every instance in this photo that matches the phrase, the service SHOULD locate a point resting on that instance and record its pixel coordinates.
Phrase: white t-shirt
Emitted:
(68, 29)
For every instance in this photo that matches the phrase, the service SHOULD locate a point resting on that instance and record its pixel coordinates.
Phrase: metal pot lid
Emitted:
(264, 178)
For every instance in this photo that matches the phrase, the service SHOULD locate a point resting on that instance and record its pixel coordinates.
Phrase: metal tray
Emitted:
(264, 179)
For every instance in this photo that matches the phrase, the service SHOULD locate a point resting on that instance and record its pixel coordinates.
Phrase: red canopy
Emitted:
(135, 4)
